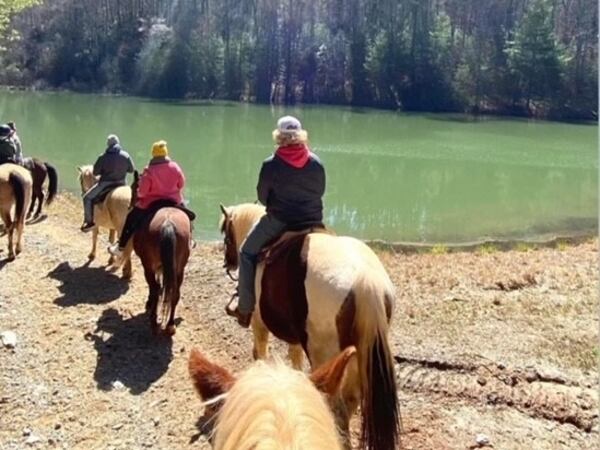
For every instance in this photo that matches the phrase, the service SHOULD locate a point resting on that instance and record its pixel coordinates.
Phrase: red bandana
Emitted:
(295, 155)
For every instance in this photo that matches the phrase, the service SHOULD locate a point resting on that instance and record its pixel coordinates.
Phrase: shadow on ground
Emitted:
(128, 352)
(86, 285)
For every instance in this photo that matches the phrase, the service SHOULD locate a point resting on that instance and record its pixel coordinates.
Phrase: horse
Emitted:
(163, 245)
(109, 213)
(15, 191)
(39, 171)
(322, 294)
(270, 406)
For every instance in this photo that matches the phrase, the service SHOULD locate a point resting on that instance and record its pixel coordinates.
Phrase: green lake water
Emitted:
(390, 176)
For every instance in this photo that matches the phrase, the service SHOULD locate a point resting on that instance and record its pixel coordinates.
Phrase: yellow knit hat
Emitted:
(159, 149)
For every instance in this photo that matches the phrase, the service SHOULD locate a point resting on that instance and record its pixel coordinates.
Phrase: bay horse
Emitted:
(39, 172)
(109, 213)
(15, 194)
(163, 245)
(270, 406)
(323, 294)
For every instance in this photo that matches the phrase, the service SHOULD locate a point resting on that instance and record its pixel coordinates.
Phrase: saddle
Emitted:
(107, 190)
(277, 248)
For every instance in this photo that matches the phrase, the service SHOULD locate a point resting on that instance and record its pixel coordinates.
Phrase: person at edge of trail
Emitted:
(161, 185)
(10, 145)
(291, 185)
(112, 167)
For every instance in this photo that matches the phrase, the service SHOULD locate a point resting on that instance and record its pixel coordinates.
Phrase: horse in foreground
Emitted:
(109, 213)
(39, 172)
(321, 293)
(271, 406)
(163, 245)
(15, 194)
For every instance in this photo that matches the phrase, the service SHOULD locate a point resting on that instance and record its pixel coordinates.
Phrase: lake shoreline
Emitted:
(591, 119)
(481, 246)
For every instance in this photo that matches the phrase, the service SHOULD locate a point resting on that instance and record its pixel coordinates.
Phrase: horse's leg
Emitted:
(8, 227)
(296, 355)
(126, 273)
(176, 294)
(39, 193)
(19, 226)
(153, 293)
(111, 240)
(31, 206)
(92, 254)
(261, 337)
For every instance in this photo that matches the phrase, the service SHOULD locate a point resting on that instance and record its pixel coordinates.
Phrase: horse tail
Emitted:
(18, 185)
(379, 404)
(168, 247)
(52, 182)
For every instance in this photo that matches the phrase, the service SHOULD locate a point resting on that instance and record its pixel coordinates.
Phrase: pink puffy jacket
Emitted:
(160, 181)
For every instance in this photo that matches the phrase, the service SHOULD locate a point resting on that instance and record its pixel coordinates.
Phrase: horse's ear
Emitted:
(136, 175)
(224, 210)
(209, 379)
(328, 378)
(79, 169)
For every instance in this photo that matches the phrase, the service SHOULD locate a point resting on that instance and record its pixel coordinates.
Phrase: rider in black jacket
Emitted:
(291, 185)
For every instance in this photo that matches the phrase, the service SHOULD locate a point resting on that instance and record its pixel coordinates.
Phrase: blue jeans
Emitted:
(264, 231)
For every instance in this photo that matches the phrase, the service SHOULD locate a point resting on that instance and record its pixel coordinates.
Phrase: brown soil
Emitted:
(502, 344)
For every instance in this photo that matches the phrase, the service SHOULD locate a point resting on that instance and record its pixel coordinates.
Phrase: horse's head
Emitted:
(214, 382)
(86, 177)
(229, 240)
(134, 188)
(236, 223)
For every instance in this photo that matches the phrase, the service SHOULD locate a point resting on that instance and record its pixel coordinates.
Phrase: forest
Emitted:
(518, 57)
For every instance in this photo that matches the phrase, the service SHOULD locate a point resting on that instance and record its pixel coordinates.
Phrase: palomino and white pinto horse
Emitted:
(15, 194)
(322, 294)
(109, 213)
(163, 245)
(270, 406)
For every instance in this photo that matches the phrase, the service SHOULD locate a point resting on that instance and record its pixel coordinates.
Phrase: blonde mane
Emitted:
(273, 407)
(86, 177)
(243, 218)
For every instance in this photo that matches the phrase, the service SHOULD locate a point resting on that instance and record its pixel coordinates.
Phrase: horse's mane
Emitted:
(243, 216)
(272, 406)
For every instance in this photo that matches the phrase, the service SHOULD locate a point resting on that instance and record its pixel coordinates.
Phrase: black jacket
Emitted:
(292, 195)
(114, 165)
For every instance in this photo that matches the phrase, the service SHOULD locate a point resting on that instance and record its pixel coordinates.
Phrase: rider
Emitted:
(160, 185)
(10, 145)
(112, 167)
(291, 185)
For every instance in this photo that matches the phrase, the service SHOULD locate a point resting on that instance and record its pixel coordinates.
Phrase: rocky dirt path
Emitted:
(500, 346)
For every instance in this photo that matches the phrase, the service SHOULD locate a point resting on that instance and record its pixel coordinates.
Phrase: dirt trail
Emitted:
(502, 344)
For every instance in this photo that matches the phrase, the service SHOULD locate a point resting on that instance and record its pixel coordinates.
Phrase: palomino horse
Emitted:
(109, 213)
(321, 295)
(39, 172)
(163, 246)
(270, 406)
(15, 193)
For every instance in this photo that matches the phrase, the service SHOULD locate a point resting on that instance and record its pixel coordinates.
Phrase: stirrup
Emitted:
(228, 309)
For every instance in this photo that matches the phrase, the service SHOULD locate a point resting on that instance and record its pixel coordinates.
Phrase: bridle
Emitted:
(230, 251)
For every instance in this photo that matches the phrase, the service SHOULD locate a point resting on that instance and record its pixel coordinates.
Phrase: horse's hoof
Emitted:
(126, 276)
(92, 256)
(11, 256)
(170, 330)
(18, 250)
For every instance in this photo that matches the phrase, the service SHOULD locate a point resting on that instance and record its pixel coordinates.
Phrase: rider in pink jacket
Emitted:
(161, 184)
(163, 179)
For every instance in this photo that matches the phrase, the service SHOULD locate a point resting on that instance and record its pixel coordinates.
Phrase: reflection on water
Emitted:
(399, 177)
